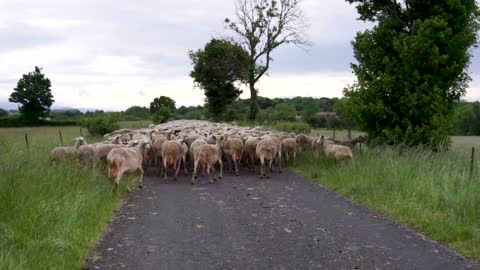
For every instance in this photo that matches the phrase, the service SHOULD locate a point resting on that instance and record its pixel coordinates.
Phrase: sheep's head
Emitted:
(79, 141)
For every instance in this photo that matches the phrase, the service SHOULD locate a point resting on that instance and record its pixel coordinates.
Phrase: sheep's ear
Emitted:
(214, 137)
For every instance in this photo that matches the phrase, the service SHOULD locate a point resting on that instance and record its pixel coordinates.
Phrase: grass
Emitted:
(432, 192)
(50, 216)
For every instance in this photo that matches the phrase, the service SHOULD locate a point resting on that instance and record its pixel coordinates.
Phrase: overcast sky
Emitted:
(111, 55)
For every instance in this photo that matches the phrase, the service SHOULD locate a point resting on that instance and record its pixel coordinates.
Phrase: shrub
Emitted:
(296, 127)
(162, 115)
(101, 124)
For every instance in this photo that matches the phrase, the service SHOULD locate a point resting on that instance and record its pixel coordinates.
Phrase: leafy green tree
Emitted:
(138, 112)
(162, 102)
(34, 94)
(100, 124)
(285, 112)
(3, 113)
(412, 67)
(262, 26)
(162, 115)
(309, 113)
(216, 69)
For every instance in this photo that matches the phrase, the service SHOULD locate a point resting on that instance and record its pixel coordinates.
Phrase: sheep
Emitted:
(102, 151)
(304, 142)
(208, 155)
(233, 149)
(335, 151)
(266, 151)
(190, 139)
(194, 145)
(250, 151)
(289, 150)
(157, 150)
(172, 155)
(126, 160)
(62, 152)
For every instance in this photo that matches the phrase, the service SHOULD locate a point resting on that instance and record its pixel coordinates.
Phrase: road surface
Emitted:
(285, 222)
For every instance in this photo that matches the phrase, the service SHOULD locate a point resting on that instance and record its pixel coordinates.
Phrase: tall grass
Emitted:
(432, 192)
(50, 215)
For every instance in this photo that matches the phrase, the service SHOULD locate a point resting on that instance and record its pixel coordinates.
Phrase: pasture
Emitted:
(431, 192)
(51, 216)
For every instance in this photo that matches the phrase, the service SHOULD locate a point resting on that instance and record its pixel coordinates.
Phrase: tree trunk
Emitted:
(253, 102)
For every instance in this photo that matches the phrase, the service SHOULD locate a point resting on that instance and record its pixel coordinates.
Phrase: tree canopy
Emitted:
(162, 102)
(34, 94)
(261, 26)
(216, 69)
(412, 67)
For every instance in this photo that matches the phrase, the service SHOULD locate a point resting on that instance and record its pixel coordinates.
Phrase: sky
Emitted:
(111, 55)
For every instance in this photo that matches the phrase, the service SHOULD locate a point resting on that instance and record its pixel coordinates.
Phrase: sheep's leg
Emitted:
(270, 165)
(177, 168)
(117, 180)
(208, 172)
(262, 169)
(214, 172)
(165, 168)
(221, 168)
(235, 162)
(280, 162)
(294, 158)
(230, 161)
(140, 180)
(184, 160)
(194, 175)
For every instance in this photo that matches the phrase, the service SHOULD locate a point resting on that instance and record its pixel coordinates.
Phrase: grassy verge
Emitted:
(50, 216)
(432, 192)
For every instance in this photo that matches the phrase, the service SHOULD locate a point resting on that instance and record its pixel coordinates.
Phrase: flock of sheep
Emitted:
(207, 145)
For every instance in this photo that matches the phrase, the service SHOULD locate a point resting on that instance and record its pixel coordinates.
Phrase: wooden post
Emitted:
(360, 144)
(334, 133)
(81, 132)
(26, 141)
(472, 161)
(61, 138)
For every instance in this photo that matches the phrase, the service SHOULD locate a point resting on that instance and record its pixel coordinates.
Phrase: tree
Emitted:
(262, 26)
(412, 68)
(309, 113)
(34, 94)
(216, 69)
(3, 113)
(138, 112)
(162, 102)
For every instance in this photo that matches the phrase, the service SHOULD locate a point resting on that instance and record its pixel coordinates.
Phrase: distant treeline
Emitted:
(303, 109)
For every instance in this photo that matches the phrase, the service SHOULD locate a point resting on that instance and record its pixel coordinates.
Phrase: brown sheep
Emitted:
(208, 155)
(289, 150)
(233, 149)
(266, 151)
(337, 152)
(126, 160)
(172, 155)
(250, 151)
(62, 152)
(304, 142)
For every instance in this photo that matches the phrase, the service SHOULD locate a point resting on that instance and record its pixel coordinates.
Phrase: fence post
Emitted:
(26, 141)
(334, 133)
(61, 138)
(472, 161)
(360, 144)
(81, 132)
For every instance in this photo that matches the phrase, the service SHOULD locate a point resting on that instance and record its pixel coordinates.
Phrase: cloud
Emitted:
(108, 50)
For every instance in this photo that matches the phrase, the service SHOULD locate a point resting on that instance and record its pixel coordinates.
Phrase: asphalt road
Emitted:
(285, 222)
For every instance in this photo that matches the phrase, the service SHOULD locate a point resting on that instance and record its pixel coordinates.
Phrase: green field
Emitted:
(50, 215)
(432, 192)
